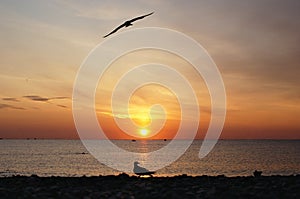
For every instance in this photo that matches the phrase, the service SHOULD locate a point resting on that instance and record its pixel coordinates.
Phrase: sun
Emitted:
(144, 132)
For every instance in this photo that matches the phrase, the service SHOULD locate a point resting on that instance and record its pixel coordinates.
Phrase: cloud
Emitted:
(62, 106)
(42, 99)
(36, 98)
(3, 106)
(58, 98)
(10, 99)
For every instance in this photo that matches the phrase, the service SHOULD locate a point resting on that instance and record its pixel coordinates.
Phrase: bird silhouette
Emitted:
(138, 170)
(127, 23)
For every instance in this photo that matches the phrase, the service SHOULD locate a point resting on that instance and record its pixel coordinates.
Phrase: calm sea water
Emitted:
(70, 158)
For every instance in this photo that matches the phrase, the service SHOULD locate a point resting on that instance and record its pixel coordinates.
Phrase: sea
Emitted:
(229, 157)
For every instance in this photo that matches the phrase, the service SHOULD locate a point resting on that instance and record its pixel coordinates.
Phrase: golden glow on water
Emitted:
(271, 156)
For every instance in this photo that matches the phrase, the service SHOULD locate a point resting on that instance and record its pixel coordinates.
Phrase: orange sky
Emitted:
(256, 51)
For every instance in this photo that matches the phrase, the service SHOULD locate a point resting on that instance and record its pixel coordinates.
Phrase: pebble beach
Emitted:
(125, 186)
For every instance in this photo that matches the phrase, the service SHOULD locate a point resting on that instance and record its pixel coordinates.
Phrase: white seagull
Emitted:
(138, 170)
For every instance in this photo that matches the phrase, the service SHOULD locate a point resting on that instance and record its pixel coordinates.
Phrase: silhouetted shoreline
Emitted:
(124, 186)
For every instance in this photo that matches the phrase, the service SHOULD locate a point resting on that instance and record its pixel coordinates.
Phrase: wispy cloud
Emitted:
(42, 99)
(62, 106)
(10, 99)
(37, 98)
(3, 106)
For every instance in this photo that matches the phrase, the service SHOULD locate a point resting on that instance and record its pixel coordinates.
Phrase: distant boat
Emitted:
(133, 140)
(165, 139)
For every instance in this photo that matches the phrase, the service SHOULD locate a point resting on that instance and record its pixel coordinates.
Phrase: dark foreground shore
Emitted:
(124, 186)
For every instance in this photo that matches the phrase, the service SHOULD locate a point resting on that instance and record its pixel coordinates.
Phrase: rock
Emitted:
(257, 173)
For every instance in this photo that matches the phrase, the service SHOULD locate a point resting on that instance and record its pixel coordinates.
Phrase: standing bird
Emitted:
(138, 170)
(127, 23)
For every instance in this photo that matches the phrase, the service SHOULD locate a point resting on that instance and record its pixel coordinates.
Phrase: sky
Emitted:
(254, 43)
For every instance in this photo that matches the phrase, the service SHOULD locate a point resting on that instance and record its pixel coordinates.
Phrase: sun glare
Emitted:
(144, 132)
(142, 120)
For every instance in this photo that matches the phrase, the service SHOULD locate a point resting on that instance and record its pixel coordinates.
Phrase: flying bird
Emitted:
(127, 23)
(138, 170)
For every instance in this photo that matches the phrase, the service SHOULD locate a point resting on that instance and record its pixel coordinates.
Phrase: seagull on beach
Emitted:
(127, 23)
(140, 171)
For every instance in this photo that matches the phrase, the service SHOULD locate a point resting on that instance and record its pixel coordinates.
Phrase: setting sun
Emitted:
(144, 132)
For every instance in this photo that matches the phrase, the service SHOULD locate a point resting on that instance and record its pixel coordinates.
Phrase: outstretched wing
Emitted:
(115, 30)
(141, 17)
(124, 24)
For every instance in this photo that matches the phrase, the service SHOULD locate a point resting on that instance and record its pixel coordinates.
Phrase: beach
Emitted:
(125, 186)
